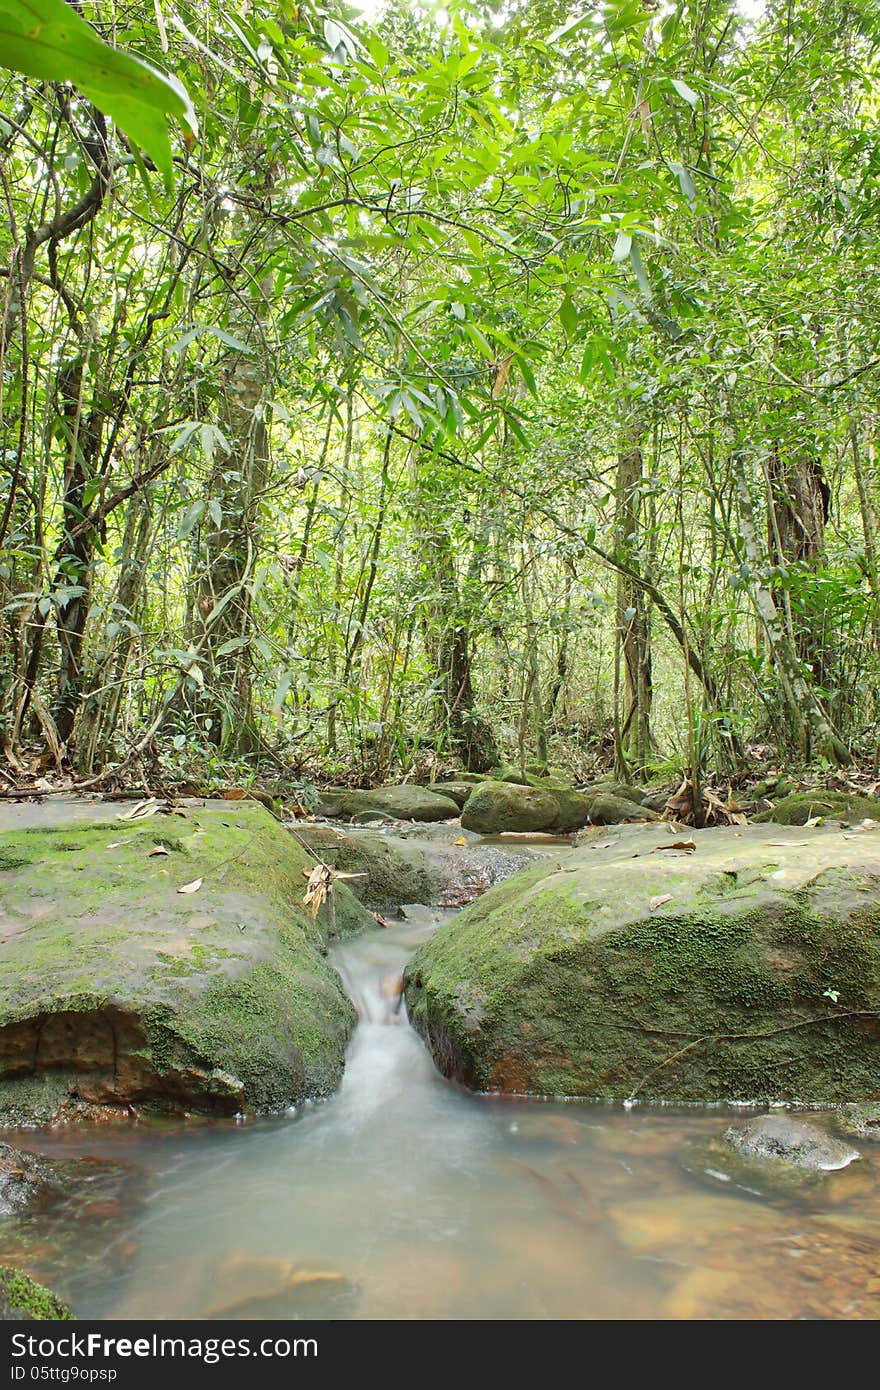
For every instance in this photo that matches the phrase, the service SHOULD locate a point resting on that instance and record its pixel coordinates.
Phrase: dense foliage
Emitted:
(491, 381)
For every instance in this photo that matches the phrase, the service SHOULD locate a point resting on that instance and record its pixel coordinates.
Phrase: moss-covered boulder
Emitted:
(843, 807)
(607, 808)
(407, 802)
(747, 969)
(24, 1300)
(400, 868)
(495, 807)
(393, 870)
(625, 790)
(165, 960)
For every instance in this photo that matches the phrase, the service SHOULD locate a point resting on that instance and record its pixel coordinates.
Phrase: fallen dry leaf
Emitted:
(683, 846)
(141, 810)
(380, 920)
(318, 888)
(191, 887)
(157, 849)
(604, 844)
(461, 840)
(234, 794)
(115, 844)
(659, 901)
(787, 844)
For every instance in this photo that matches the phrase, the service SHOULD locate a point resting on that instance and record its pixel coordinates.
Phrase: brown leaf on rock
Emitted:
(157, 849)
(191, 887)
(659, 901)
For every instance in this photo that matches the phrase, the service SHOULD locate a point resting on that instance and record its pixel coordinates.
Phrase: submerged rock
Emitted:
(495, 807)
(118, 988)
(772, 1155)
(407, 802)
(860, 1121)
(844, 807)
(24, 1300)
(682, 972)
(781, 1139)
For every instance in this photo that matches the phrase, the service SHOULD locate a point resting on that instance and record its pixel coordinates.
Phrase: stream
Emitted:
(405, 1197)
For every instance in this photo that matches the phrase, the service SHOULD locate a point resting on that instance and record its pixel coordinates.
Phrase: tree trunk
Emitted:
(801, 707)
(633, 741)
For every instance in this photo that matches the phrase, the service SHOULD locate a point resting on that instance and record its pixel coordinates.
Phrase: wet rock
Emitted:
(860, 1120)
(26, 1181)
(117, 989)
(59, 1212)
(24, 1300)
(495, 807)
(781, 1139)
(407, 802)
(843, 807)
(668, 973)
(774, 1155)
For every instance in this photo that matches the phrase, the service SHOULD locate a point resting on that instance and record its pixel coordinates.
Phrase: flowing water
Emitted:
(405, 1197)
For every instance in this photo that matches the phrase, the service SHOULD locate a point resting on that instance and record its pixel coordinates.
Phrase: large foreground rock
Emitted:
(634, 967)
(495, 807)
(116, 988)
(407, 802)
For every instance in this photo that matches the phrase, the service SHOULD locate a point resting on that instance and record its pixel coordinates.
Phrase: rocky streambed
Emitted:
(164, 964)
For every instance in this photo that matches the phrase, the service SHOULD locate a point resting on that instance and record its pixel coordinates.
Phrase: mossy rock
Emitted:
(625, 790)
(406, 802)
(118, 989)
(607, 808)
(860, 1120)
(22, 1299)
(495, 807)
(394, 870)
(693, 977)
(529, 778)
(400, 868)
(846, 808)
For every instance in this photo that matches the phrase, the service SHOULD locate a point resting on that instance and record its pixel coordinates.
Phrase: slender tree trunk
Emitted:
(802, 709)
(633, 725)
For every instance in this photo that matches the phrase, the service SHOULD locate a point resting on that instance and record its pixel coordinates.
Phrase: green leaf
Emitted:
(640, 272)
(684, 91)
(621, 247)
(568, 316)
(188, 521)
(685, 181)
(49, 40)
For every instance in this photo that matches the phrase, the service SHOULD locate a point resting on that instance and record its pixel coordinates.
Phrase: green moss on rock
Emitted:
(800, 807)
(568, 981)
(23, 1299)
(119, 989)
(494, 807)
(407, 802)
